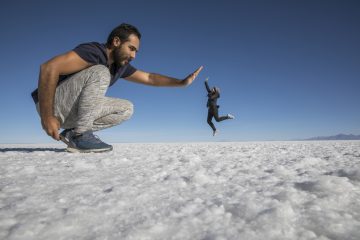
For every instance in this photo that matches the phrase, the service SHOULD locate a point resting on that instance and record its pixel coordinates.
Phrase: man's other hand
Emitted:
(51, 125)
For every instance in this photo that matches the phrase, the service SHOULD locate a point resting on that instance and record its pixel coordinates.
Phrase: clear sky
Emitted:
(287, 69)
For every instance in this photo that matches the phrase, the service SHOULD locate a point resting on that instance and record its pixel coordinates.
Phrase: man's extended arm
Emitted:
(155, 79)
(49, 76)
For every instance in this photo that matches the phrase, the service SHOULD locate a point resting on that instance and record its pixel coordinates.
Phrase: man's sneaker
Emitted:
(230, 116)
(215, 132)
(87, 142)
(65, 135)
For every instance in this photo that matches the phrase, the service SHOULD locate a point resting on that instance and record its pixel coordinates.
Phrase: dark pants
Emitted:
(214, 113)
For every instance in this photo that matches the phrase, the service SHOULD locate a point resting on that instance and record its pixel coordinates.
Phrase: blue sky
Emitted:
(286, 69)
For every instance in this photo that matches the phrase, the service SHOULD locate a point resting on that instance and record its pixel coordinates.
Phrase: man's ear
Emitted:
(116, 42)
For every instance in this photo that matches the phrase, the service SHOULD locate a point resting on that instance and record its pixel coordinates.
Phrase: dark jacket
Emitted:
(212, 96)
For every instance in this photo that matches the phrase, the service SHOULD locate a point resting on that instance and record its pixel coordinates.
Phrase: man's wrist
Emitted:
(46, 117)
(184, 83)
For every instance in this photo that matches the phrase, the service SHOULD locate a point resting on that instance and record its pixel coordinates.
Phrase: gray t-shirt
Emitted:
(95, 53)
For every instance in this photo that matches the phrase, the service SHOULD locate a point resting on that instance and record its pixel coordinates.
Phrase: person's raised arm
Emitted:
(159, 80)
(207, 85)
(50, 71)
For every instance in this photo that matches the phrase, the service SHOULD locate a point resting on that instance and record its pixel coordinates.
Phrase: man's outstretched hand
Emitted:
(189, 79)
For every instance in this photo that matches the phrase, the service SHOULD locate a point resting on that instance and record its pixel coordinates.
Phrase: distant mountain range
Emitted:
(337, 137)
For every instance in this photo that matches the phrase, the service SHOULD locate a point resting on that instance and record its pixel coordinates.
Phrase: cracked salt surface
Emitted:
(257, 190)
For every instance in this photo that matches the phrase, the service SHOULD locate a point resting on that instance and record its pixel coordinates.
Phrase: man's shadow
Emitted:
(31, 150)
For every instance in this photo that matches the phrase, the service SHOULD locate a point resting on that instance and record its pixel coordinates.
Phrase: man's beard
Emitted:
(119, 58)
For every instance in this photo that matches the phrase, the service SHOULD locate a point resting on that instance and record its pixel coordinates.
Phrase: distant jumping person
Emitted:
(213, 95)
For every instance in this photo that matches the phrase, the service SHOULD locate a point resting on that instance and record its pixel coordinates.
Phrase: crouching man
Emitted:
(72, 86)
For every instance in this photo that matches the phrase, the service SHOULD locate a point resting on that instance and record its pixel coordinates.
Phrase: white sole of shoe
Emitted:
(75, 150)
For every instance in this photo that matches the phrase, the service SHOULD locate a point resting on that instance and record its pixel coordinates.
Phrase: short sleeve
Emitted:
(128, 71)
(91, 53)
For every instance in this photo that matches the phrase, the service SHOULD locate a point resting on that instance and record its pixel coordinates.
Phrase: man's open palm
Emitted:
(189, 79)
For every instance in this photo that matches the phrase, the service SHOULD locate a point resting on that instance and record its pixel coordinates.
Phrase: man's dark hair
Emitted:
(123, 31)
